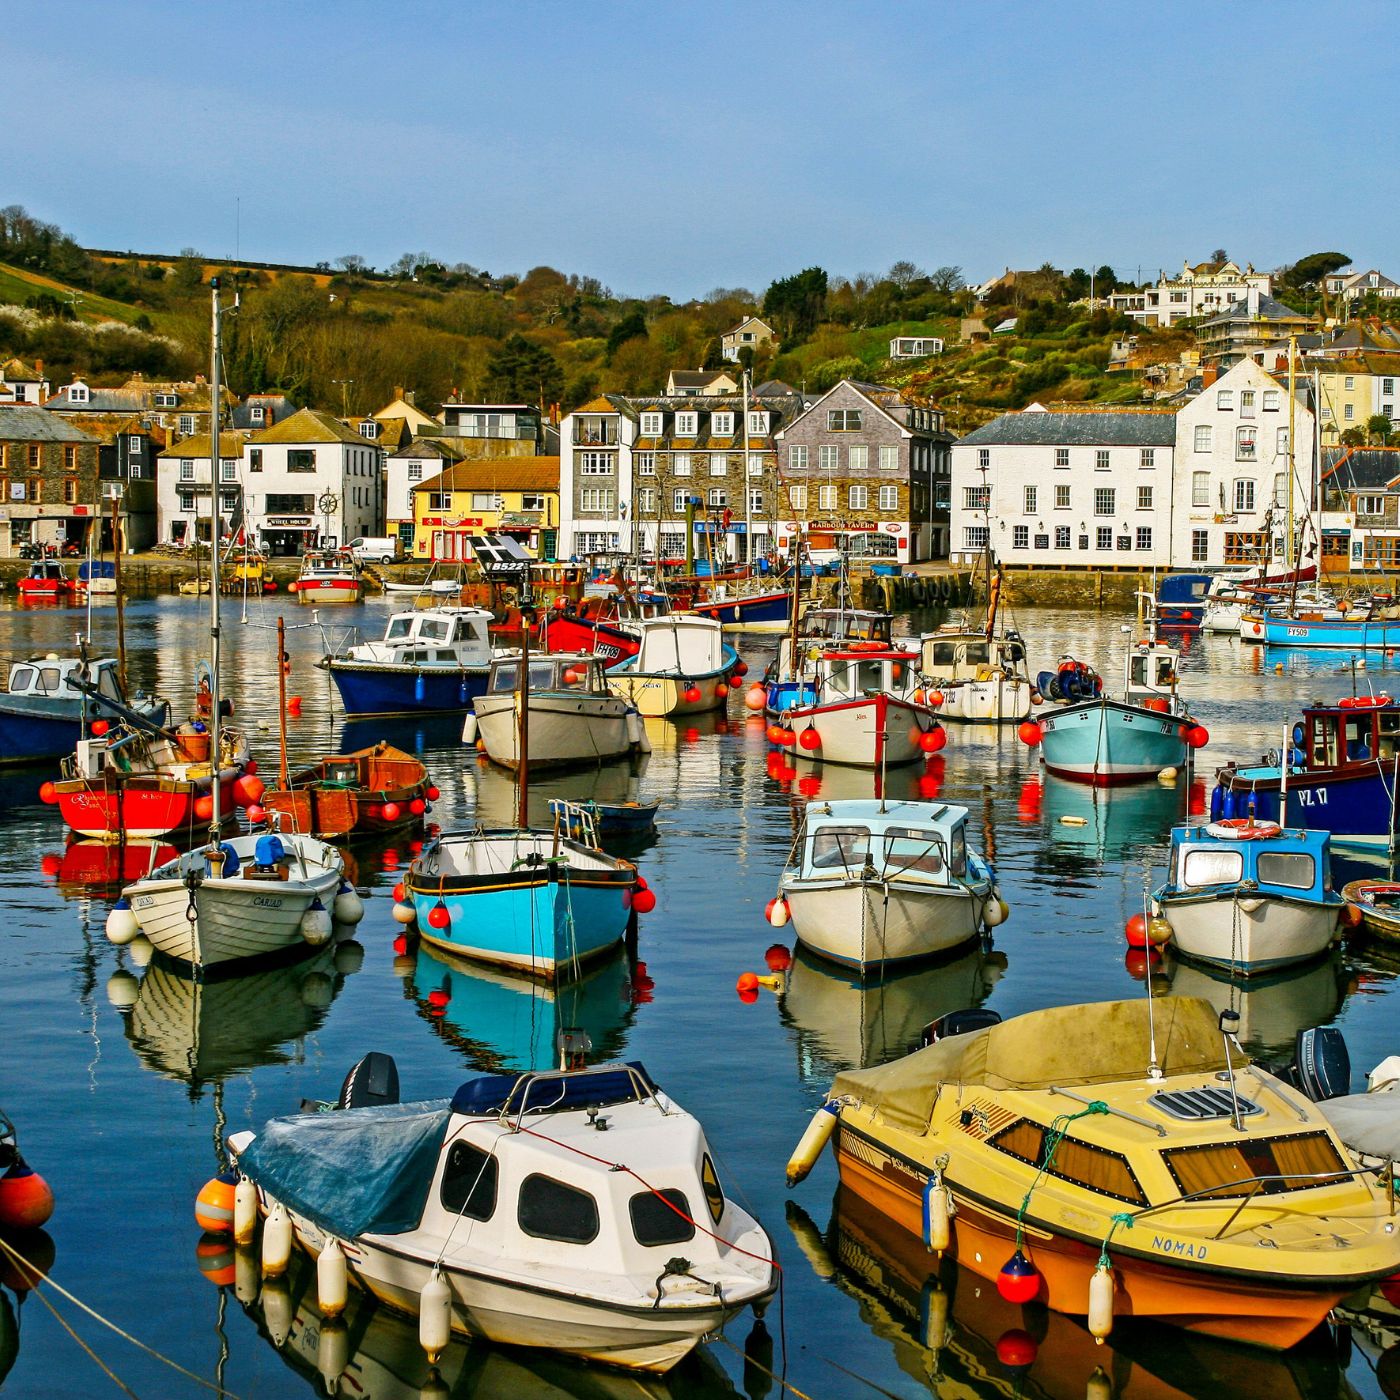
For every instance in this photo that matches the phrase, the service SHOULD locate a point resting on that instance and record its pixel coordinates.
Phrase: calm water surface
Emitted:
(121, 1077)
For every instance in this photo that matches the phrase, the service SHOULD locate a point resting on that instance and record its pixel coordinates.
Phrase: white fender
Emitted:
(348, 907)
(276, 1304)
(469, 730)
(1101, 1303)
(245, 1211)
(331, 1281)
(316, 924)
(936, 1215)
(434, 1317)
(332, 1354)
(247, 1277)
(276, 1241)
(122, 925)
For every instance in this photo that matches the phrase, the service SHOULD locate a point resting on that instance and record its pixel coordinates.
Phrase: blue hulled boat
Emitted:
(1181, 600)
(433, 660)
(1338, 776)
(43, 711)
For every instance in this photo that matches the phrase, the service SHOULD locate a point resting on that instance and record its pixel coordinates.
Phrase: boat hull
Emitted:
(1242, 1308)
(1004, 700)
(867, 924)
(561, 632)
(28, 735)
(757, 612)
(1339, 634)
(317, 593)
(565, 730)
(368, 688)
(138, 806)
(1105, 742)
(1353, 807)
(873, 732)
(1225, 931)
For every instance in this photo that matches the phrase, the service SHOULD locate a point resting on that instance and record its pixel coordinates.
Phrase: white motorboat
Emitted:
(578, 1211)
(574, 718)
(251, 897)
(976, 678)
(879, 883)
(682, 667)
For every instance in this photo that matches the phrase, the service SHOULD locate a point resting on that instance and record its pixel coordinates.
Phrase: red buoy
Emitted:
(809, 739)
(935, 698)
(204, 807)
(933, 739)
(691, 695)
(400, 894)
(100, 728)
(1019, 1279)
(433, 792)
(392, 811)
(643, 901)
(48, 793)
(256, 814)
(1135, 930)
(787, 737)
(778, 958)
(1029, 733)
(1198, 736)
(1016, 1349)
(438, 917)
(26, 1200)
(748, 982)
(417, 806)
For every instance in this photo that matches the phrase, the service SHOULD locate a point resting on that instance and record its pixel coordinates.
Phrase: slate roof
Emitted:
(27, 422)
(278, 406)
(1359, 468)
(15, 371)
(497, 474)
(310, 425)
(98, 401)
(1034, 429)
(1270, 309)
(424, 447)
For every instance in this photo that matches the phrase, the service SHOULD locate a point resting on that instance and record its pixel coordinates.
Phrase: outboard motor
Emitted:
(1321, 1066)
(972, 1018)
(372, 1082)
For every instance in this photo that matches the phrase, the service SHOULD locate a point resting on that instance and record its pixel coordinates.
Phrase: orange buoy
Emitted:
(26, 1199)
(756, 696)
(204, 807)
(213, 1207)
(643, 901)
(933, 740)
(1029, 733)
(748, 982)
(1136, 931)
(48, 793)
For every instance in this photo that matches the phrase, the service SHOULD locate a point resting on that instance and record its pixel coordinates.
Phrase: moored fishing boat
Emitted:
(354, 794)
(432, 660)
(565, 1248)
(1181, 600)
(327, 576)
(1026, 1149)
(979, 679)
(682, 666)
(1249, 896)
(47, 580)
(875, 884)
(1380, 630)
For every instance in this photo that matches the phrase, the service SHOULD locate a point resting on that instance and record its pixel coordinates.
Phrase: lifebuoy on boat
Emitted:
(866, 646)
(1364, 702)
(1242, 829)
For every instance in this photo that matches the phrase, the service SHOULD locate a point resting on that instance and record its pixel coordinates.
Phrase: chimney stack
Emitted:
(39, 368)
(1252, 300)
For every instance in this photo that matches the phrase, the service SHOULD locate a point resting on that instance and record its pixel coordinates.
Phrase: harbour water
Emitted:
(123, 1077)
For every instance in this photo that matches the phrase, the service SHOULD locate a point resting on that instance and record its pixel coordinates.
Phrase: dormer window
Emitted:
(167, 400)
(722, 424)
(687, 424)
(257, 413)
(651, 424)
(78, 393)
(758, 422)
(369, 429)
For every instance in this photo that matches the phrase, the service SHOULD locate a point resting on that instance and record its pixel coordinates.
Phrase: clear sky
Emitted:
(668, 147)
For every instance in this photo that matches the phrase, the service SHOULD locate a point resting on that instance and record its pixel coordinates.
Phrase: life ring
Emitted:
(1242, 829)
(866, 646)
(1364, 702)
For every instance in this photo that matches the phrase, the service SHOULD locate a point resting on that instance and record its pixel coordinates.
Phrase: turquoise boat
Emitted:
(533, 901)
(1338, 633)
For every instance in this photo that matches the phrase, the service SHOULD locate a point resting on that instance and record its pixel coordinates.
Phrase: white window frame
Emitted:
(858, 496)
(889, 459)
(888, 499)
(687, 424)
(797, 457)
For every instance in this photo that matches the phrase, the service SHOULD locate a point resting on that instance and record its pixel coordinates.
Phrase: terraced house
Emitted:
(48, 479)
(653, 474)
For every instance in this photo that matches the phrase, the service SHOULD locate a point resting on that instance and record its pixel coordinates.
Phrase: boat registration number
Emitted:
(1178, 1249)
(143, 901)
(1310, 797)
(1295, 631)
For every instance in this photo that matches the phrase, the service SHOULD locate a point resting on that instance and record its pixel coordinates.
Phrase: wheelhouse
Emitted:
(49, 676)
(1288, 862)
(853, 674)
(554, 671)
(894, 841)
(1349, 736)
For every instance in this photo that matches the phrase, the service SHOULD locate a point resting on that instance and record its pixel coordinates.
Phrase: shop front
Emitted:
(284, 536)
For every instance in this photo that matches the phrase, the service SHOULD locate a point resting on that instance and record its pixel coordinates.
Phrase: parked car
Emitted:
(376, 549)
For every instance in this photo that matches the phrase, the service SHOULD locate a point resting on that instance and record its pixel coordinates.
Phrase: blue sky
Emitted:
(675, 148)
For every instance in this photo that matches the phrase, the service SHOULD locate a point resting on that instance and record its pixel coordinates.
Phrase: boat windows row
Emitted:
(894, 852)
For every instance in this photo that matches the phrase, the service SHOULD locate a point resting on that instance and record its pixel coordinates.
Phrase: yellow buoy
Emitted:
(434, 1317)
(810, 1145)
(276, 1241)
(1074, 821)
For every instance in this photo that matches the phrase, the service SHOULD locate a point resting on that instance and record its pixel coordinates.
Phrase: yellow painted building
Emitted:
(516, 496)
(1352, 390)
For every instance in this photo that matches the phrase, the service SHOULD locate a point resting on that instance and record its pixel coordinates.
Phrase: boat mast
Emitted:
(121, 603)
(282, 779)
(215, 753)
(1292, 457)
(522, 707)
(748, 505)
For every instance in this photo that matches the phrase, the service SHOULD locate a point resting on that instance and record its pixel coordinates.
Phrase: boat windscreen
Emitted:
(1294, 869)
(1211, 866)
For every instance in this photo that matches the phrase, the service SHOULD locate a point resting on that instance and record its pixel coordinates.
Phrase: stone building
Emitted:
(49, 491)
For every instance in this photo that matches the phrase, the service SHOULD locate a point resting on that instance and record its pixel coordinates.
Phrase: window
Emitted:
(718, 497)
(70, 458)
(595, 499)
(758, 422)
(1370, 505)
(687, 424)
(1225, 400)
(859, 497)
(829, 458)
(186, 424)
(301, 459)
(484, 500)
(672, 544)
(1270, 400)
(1387, 387)
(977, 497)
(661, 1217)
(797, 497)
(722, 424)
(255, 462)
(755, 460)
(1144, 537)
(228, 501)
(469, 1180)
(843, 420)
(1144, 498)
(797, 458)
(550, 1210)
(1020, 537)
(680, 464)
(1101, 460)
(984, 457)
(186, 500)
(889, 459)
(1061, 497)
(1280, 488)
(415, 471)
(70, 489)
(1029, 496)
(1246, 403)
(1350, 381)
(187, 470)
(1061, 536)
(1292, 868)
(167, 400)
(1104, 497)
(755, 500)
(646, 501)
(595, 463)
(1202, 439)
(228, 471)
(646, 463)
(1200, 546)
(1062, 456)
(1290, 1163)
(1244, 495)
(857, 458)
(651, 425)
(889, 499)
(1099, 1170)
(826, 498)
(34, 454)
(1349, 412)
(368, 427)
(1200, 489)
(1103, 537)
(1246, 442)
(301, 505)
(680, 500)
(974, 537)
(719, 464)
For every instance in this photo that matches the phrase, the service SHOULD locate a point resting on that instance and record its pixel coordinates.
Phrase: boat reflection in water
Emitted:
(502, 1023)
(845, 1022)
(952, 1331)
(85, 864)
(374, 1353)
(1099, 824)
(203, 1033)
(1273, 1007)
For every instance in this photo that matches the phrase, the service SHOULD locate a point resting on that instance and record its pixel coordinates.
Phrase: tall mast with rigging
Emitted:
(215, 752)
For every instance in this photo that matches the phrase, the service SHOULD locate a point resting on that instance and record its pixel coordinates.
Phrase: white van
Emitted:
(375, 549)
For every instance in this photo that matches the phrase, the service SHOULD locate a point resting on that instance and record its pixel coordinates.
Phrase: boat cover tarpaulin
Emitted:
(353, 1171)
(1367, 1123)
(1064, 1046)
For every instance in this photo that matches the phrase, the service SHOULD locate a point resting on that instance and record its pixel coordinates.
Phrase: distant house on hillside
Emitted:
(1207, 289)
(698, 383)
(915, 347)
(750, 333)
(1249, 326)
(1350, 285)
(22, 383)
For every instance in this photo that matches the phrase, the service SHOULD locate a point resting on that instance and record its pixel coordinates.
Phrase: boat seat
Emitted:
(272, 873)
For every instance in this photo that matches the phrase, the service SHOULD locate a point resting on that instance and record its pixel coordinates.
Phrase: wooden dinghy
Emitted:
(354, 794)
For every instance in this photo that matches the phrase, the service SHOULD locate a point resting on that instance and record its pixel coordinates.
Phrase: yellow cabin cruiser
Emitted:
(1122, 1159)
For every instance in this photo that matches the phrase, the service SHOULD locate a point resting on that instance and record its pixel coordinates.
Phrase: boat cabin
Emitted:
(848, 674)
(1349, 735)
(1189, 589)
(921, 841)
(960, 654)
(47, 677)
(1281, 862)
(1150, 672)
(47, 573)
(432, 637)
(328, 563)
(678, 645)
(832, 626)
(549, 671)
